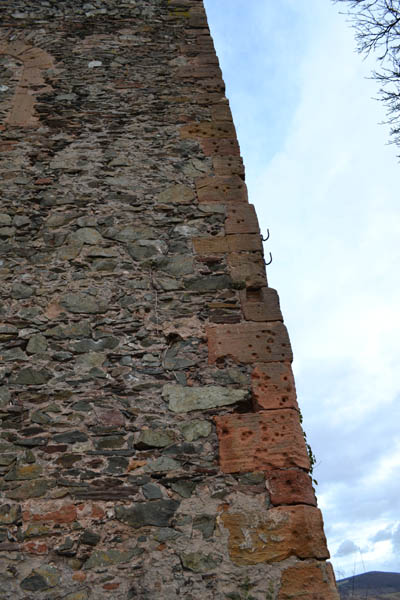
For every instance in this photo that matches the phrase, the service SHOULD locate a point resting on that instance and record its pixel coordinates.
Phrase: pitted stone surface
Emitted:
(259, 441)
(249, 342)
(118, 156)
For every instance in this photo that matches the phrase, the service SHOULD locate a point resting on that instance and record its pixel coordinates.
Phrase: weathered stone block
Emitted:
(249, 342)
(290, 486)
(241, 218)
(308, 581)
(182, 399)
(79, 302)
(220, 146)
(273, 386)
(247, 268)
(158, 513)
(276, 535)
(261, 304)
(208, 130)
(221, 189)
(259, 441)
(228, 165)
(245, 242)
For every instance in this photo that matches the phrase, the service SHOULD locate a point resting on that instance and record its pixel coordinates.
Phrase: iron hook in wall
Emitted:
(267, 238)
(270, 260)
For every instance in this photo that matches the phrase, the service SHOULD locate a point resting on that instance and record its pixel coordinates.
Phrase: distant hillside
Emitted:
(375, 585)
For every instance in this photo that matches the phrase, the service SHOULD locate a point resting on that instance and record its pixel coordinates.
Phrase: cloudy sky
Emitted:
(325, 183)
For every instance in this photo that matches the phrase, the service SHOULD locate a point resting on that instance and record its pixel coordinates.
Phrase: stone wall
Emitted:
(150, 443)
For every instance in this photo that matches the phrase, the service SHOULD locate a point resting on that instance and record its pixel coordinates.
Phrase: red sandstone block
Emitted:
(275, 535)
(229, 243)
(199, 72)
(259, 441)
(241, 218)
(309, 581)
(228, 165)
(205, 58)
(260, 304)
(290, 486)
(221, 147)
(247, 268)
(35, 547)
(208, 130)
(249, 342)
(221, 112)
(273, 386)
(221, 189)
(65, 514)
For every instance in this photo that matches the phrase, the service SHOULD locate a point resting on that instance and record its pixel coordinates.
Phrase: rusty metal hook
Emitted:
(270, 260)
(267, 238)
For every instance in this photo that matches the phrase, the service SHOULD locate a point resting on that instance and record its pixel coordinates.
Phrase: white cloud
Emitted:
(347, 547)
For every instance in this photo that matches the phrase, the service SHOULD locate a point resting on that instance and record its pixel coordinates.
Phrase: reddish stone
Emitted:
(290, 486)
(66, 514)
(221, 189)
(223, 244)
(199, 72)
(221, 147)
(260, 304)
(241, 218)
(247, 268)
(208, 130)
(276, 535)
(309, 581)
(43, 181)
(35, 547)
(79, 576)
(259, 441)
(249, 342)
(221, 112)
(111, 586)
(228, 165)
(273, 386)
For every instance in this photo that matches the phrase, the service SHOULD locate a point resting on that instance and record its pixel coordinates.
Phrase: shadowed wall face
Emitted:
(151, 444)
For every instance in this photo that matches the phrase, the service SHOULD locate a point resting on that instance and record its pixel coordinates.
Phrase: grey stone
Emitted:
(5, 220)
(88, 345)
(41, 579)
(184, 487)
(161, 464)
(199, 563)
(21, 221)
(37, 344)
(182, 399)
(70, 437)
(206, 524)
(146, 249)
(177, 265)
(20, 291)
(30, 376)
(75, 330)
(106, 558)
(89, 538)
(158, 513)
(80, 302)
(195, 429)
(151, 491)
(10, 514)
(165, 534)
(178, 193)
(209, 283)
(13, 354)
(23, 472)
(86, 235)
(150, 438)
